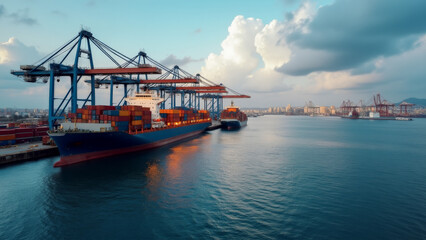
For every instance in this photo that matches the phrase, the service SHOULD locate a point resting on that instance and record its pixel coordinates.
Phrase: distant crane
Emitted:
(347, 106)
(384, 106)
(403, 108)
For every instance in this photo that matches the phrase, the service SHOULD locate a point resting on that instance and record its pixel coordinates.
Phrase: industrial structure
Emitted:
(377, 104)
(75, 60)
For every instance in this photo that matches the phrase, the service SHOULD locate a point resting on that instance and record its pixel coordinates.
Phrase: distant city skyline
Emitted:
(279, 52)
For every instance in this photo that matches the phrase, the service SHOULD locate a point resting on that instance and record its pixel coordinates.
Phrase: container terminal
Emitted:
(380, 110)
(150, 112)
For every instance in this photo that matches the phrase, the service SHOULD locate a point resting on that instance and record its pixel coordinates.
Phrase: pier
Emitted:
(215, 125)
(26, 152)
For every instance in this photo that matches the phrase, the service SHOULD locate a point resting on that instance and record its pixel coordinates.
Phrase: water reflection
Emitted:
(113, 190)
(177, 156)
(170, 180)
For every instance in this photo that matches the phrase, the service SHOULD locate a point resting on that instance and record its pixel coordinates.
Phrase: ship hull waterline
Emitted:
(80, 147)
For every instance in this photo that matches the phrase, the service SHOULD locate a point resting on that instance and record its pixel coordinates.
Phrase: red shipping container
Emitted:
(24, 130)
(123, 118)
(7, 131)
(24, 135)
(42, 128)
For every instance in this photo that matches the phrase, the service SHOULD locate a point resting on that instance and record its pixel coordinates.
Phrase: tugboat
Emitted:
(232, 118)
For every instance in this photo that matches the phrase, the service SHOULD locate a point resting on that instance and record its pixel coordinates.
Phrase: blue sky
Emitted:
(279, 51)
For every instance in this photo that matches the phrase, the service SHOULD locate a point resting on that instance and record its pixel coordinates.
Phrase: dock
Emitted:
(26, 152)
(215, 125)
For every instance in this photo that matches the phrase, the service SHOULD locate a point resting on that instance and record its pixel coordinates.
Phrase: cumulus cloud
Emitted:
(354, 46)
(273, 50)
(12, 54)
(239, 63)
(172, 60)
(14, 51)
(348, 34)
(238, 56)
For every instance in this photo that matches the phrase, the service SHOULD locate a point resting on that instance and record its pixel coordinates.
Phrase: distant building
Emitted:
(324, 110)
(333, 110)
(289, 109)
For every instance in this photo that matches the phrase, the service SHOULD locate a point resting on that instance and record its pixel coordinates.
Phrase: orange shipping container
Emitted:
(137, 122)
(7, 137)
(124, 113)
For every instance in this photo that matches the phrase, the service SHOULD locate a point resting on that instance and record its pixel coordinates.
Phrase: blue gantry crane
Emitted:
(75, 60)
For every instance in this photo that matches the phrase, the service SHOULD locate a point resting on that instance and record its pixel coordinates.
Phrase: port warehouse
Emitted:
(178, 87)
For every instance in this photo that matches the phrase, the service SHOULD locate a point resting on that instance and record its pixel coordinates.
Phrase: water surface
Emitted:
(278, 178)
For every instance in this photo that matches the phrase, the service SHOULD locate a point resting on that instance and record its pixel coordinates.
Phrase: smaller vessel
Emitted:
(232, 118)
(352, 115)
(403, 119)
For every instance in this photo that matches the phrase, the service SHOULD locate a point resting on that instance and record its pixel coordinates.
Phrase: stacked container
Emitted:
(25, 134)
(41, 131)
(233, 113)
(123, 118)
(7, 137)
(173, 117)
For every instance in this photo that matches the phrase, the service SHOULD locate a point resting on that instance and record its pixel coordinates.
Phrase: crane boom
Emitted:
(212, 91)
(202, 88)
(235, 96)
(105, 71)
(165, 81)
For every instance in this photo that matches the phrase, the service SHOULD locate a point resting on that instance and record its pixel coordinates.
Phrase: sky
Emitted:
(277, 51)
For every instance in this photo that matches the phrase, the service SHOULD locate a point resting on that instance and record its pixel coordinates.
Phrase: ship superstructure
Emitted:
(147, 99)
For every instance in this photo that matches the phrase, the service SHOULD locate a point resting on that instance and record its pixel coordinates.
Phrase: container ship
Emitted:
(232, 118)
(100, 131)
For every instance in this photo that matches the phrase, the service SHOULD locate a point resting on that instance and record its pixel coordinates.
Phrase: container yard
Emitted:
(24, 134)
(22, 142)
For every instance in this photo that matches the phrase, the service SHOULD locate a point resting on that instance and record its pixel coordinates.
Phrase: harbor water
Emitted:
(281, 177)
